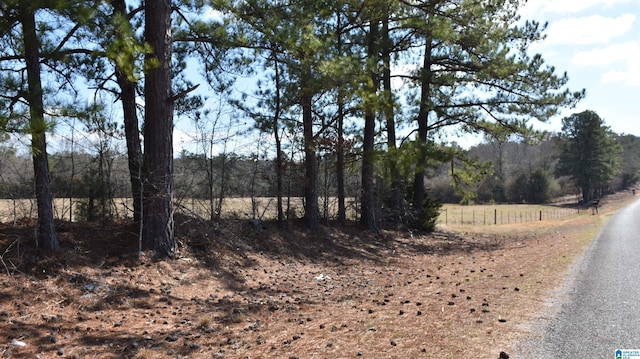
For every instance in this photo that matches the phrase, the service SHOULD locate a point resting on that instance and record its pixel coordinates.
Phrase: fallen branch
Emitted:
(6, 268)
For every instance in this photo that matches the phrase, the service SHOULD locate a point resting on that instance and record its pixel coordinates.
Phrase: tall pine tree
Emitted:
(589, 153)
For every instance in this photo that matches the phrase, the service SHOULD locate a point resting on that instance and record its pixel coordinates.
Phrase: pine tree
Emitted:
(26, 46)
(477, 76)
(158, 225)
(589, 153)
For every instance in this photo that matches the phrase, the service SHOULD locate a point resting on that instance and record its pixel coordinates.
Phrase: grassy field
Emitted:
(502, 214)
(260, 207)
(265, 208)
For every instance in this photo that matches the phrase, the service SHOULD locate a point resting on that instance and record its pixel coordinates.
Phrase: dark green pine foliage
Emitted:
(630, 167)
(589, 154)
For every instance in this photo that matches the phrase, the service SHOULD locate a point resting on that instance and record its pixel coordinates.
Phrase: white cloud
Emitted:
(629, 78)
(588, 30)
(605, 56)
(621, 57)
(565, 6)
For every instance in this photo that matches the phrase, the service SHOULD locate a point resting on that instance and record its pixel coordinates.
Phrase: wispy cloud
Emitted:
(630, 77)
(622, 58)
(594, 29)
(608, 55)
(567, 6)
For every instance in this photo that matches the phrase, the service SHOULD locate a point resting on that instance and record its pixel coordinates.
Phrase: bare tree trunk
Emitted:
(367, 218)
(208, 162)
(158, 230)
(279, 152)
(311, 165)
(325, 188)
(252, 187)
(47, 237)
(73, 174)
(342, 210)
(423, 118)
(225, 169)
(131, 127)
(395, 195)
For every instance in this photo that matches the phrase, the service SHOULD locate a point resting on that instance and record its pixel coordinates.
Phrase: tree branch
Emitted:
(184, 92)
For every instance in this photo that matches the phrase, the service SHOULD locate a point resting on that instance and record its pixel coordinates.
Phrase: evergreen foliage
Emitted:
(589, 154)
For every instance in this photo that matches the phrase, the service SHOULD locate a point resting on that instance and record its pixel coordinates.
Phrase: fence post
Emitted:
(495, 216)
(540, 216)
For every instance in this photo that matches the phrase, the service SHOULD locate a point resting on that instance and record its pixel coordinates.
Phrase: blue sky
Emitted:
(598, 43)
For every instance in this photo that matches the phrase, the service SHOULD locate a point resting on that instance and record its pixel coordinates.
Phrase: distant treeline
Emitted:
(511, 172)
(522, 172)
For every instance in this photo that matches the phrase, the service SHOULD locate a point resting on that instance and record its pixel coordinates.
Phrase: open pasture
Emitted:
(458, 215)
(264, 208)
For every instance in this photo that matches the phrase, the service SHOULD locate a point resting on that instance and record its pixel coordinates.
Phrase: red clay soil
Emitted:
(239, 292)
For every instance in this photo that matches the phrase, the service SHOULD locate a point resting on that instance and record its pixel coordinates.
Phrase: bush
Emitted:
(441, 189)
(430, 213)
(531, 188)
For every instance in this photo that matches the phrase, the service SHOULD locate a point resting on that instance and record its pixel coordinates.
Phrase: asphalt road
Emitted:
(599, 308)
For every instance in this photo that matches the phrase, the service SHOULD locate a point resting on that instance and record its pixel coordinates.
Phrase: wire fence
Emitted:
(264, 208)
(507, 214)
(122, 208)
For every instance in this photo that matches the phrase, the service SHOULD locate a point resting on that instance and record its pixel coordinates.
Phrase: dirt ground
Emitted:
(237, 291)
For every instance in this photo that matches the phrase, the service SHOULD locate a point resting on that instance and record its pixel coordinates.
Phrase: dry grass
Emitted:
(342, 292)
(454, 215)
(261, 207)
(265, 208)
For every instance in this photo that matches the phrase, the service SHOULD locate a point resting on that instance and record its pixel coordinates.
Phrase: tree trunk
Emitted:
(131, 127)
(423, 125)
(223, 182)
(208, 163)
(47, 237)
(158, 226)
(311, 166)
(586, 196)
(276, 135)
(367, 204)
(279, 180)
(342, 210)
(394, 197)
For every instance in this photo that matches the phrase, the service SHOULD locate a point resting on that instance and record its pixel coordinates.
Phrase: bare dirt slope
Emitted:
(236, 292)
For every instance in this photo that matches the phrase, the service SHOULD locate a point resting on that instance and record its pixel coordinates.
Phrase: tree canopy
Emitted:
(590, 154)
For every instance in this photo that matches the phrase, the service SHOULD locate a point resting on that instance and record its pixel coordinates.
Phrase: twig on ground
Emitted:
(6, 268)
